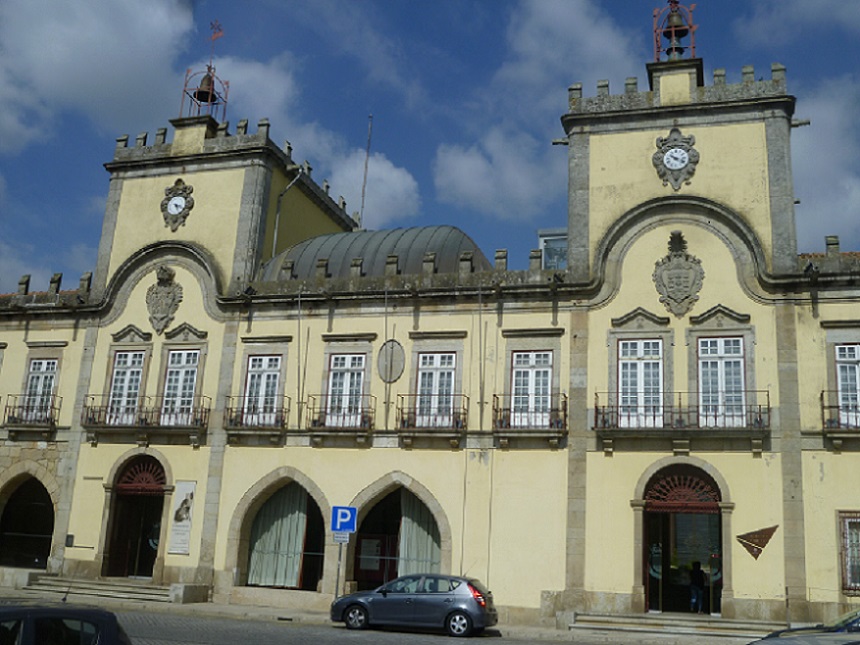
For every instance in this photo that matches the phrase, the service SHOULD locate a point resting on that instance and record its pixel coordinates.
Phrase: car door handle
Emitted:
(449, 600)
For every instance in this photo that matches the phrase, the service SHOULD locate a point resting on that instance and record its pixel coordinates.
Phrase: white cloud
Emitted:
(392, 193)
(553, 43)
(108, 60)
(776, 22)
(826, 164)
(506, 174)
(512, 171)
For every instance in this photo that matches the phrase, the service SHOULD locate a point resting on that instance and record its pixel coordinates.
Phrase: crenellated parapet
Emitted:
(718, 92)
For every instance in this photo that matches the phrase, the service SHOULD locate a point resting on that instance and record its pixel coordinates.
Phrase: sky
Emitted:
(466, 97)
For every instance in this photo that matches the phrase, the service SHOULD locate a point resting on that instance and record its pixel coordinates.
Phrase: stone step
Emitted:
(702, 625)
(120, 589)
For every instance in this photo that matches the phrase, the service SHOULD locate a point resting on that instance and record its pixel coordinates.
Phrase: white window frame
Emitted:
(345, 393)
(848, 384)
(849, 528)
(125, 388)
(41, 381)
(180, 387)
(531, 388)
(722, 381)
(640, 383)
(434, 405)
(262, 390)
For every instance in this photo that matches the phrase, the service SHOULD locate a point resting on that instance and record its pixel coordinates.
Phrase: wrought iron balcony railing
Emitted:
(747, 409)
(146, 412)
(32, 411)
(840, 411)
(432, 412)
(530, 412)
(341, 412)
(250, 413)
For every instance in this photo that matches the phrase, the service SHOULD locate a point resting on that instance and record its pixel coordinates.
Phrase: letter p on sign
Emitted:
(343, 518)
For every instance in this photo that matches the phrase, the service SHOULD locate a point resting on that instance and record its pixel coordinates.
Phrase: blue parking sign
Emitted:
(343, 518)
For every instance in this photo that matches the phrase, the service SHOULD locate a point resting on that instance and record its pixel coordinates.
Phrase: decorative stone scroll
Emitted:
(163, 298)
(678, 277)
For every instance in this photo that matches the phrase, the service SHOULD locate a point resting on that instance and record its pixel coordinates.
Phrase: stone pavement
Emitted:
(614, 635)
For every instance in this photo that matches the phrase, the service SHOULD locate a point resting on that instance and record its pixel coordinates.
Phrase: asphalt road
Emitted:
(158, 628)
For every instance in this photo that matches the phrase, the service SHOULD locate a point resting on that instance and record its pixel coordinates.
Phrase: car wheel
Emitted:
(459, 624)
(355, 617)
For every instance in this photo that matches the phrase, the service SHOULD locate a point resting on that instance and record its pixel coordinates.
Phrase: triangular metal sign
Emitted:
(755, 541)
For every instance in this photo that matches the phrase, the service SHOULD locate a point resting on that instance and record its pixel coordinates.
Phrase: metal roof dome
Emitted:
(374, 247)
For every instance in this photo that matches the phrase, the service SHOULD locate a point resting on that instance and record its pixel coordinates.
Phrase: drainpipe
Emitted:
(298, 170)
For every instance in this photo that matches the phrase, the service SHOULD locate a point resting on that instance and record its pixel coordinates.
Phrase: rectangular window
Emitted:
(125, 388)
(40, 390)
(721, 382)
(345, 389)
(530, 389)
(640, 383)
(847, 368)
(262, 390)
(850, 524)
(180, 387)
(435, 390)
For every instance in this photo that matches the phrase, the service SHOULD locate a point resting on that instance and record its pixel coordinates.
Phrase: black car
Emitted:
(59, 625)
(847, 623)
(462, 606)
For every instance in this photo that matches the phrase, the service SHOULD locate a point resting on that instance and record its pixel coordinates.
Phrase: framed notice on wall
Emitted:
(181, 517)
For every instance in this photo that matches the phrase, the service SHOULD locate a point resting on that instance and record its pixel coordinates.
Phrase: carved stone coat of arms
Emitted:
(163, 298)
(678, 277)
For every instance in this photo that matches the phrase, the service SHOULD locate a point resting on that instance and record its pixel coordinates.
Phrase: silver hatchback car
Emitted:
(461, 606)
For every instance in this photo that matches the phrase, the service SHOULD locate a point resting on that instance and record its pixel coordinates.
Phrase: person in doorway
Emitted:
(697, 587)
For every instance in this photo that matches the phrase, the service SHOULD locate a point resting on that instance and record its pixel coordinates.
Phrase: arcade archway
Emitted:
(287, 541)
(27, 526)
(399, 535)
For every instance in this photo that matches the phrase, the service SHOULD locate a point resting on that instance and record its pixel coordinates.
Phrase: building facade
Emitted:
(683, 389)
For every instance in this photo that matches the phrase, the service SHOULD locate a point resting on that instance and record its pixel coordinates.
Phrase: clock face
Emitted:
(176, 205)
(676, 158)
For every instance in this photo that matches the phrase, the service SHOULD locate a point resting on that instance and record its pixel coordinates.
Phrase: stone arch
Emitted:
(726, 224)
(144, 262)
(666, 462)
(386, 484)
(11, 479)
(239, 530)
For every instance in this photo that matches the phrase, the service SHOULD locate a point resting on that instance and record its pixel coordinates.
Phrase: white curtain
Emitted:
(278, 539)
(419, 537)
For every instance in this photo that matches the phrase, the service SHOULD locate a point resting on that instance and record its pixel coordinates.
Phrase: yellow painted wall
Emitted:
(732, 170)
(493, 502)
(94, 465)
(17, 354)
(211, 223)
(299, 219)
(755, 487)
(831, 481)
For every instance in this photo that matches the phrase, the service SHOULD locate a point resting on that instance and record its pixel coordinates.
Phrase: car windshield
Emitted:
(844, 620)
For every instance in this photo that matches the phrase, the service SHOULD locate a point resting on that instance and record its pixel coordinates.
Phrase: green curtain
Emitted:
(419, 537)
(278, 539)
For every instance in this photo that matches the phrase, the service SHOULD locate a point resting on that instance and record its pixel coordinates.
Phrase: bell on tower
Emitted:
(674, 23)
(206, 93)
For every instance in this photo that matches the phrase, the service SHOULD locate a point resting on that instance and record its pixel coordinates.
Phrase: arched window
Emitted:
(287, 541)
